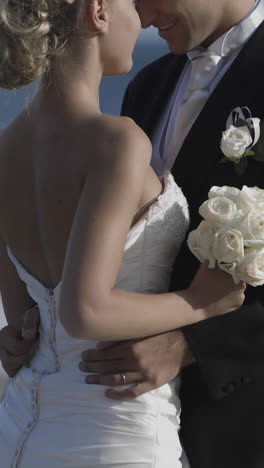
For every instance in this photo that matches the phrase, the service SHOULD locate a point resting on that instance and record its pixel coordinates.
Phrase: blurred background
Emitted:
(149, 47)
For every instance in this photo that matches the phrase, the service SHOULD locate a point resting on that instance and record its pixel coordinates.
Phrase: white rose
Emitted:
(251, 198)
(219, 210)
(251, 269)
(252, 228)
(200, 243)
(228, 192)
(228, 246)
(235, 141)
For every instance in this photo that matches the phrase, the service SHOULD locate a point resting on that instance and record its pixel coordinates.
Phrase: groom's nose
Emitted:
(146, 12)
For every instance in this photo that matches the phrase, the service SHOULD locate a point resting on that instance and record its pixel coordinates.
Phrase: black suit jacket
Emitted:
(223, 394)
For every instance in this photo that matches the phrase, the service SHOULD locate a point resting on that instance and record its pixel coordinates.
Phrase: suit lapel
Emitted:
(241, 86)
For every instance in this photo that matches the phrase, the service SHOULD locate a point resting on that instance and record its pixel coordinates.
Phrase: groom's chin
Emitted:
(182, 41)
(179, 48)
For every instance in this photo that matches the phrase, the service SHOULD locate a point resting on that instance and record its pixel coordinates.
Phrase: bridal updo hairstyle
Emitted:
(32, 32)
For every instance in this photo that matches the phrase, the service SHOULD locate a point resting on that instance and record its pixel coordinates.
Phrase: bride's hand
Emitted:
(19, 344)
(215, 292)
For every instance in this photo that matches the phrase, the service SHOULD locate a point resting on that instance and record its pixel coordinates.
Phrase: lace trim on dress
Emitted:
(163, 202)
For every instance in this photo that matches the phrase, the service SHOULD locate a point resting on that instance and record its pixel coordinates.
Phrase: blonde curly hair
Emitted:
(31, 33)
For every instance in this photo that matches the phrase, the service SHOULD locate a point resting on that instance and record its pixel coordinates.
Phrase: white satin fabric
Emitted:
(49, 417)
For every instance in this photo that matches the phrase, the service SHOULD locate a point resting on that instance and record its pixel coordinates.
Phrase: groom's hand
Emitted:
(18, 344)
(146, 364)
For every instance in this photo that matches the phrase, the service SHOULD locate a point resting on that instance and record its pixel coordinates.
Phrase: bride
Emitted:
(92, 233)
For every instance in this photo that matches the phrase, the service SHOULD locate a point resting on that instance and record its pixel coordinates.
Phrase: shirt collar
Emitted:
(238, 35)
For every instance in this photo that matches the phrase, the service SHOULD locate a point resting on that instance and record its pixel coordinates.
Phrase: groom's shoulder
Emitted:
(154, 70)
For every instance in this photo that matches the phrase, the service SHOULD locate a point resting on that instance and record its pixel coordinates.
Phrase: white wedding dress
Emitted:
(49, 417)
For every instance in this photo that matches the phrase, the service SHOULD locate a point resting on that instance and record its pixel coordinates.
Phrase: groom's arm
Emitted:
(229, 350)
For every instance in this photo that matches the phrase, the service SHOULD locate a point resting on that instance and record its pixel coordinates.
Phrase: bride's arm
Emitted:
(90, 307)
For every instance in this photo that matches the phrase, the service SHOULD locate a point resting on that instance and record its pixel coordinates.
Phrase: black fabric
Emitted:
(223, 394)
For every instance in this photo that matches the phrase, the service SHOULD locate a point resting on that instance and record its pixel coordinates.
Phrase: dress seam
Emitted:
(21, 446)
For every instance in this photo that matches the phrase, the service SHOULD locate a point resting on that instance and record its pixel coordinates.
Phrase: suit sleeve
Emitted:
(229, 349)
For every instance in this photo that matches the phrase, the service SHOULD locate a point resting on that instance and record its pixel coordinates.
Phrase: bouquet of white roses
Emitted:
(231, 235)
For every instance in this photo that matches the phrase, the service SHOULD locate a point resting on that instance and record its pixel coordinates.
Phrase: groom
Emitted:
(183, 103)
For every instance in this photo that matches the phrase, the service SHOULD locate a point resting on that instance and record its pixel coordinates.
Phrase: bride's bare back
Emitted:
(43, 166)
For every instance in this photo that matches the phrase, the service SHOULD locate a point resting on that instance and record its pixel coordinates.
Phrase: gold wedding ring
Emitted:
(123, 378)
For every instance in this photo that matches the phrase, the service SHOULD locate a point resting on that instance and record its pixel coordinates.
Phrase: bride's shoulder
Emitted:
(120, 151)
(122, 138)
(121, 124)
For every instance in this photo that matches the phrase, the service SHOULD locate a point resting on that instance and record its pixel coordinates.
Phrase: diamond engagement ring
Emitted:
(123, 377)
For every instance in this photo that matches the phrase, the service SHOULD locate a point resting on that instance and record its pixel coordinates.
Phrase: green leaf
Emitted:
(235, 160)
(248, 153)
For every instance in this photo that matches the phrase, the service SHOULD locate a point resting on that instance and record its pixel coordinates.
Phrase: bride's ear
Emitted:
(97, 14)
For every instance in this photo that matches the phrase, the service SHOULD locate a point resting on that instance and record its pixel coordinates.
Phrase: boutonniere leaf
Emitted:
(241, 139)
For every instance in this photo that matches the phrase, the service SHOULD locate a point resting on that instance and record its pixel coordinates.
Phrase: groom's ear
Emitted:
(97, 14)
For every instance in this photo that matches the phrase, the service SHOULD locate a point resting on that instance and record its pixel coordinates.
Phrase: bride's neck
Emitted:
(73, 82)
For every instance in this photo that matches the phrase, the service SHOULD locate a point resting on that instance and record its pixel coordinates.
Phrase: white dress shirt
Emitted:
(172, 131)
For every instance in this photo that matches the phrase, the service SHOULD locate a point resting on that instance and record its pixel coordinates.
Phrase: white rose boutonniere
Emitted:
(235, 142)
(240, 137)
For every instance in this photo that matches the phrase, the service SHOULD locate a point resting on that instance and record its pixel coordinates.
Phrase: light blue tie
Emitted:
(204, 69)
